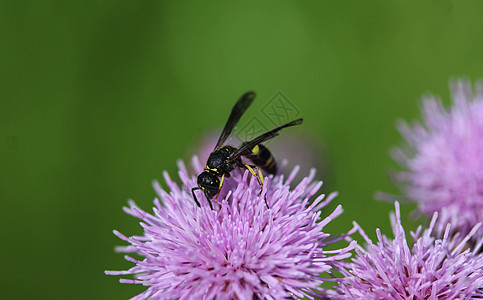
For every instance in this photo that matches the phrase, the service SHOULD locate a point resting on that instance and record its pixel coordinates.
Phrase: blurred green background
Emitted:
(99, 97)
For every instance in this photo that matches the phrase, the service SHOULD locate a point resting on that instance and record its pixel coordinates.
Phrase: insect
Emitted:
(225, 159)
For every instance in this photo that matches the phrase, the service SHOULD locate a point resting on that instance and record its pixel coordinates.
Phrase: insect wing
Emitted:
(262, 138)
(237, 111)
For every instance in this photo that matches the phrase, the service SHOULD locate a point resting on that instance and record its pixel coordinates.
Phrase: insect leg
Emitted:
(194, 196)
(260, 175)
(259, 178)
(221, 185)
(196, 200)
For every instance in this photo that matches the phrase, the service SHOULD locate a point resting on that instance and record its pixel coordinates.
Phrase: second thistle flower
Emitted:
(443, 163)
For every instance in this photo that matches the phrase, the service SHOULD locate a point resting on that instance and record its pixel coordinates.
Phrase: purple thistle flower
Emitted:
(441, 267)
(443, 163)
(239, 250)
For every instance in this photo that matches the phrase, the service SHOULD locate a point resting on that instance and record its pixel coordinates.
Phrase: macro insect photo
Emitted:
(242, 150)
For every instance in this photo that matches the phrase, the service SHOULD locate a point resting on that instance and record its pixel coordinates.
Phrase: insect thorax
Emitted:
(219, 161)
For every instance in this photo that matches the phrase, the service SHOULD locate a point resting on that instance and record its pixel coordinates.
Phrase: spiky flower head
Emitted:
(443, 161)
(437, 265)
(239, 250)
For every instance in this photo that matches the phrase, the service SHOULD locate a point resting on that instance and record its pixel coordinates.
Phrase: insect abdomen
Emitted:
(262, 157)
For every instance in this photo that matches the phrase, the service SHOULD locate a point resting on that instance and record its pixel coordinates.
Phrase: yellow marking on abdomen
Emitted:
(255, 150)
(269, 161)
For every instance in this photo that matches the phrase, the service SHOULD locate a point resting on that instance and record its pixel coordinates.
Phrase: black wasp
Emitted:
(225, 159)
